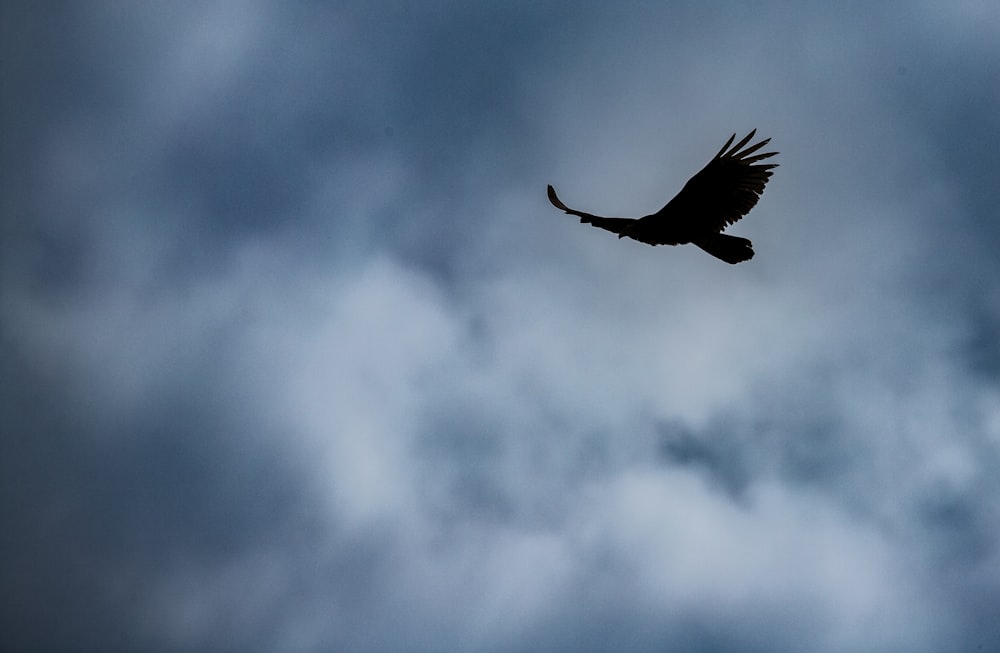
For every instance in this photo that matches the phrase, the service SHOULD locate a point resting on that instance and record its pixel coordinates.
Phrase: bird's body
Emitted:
(717, 196)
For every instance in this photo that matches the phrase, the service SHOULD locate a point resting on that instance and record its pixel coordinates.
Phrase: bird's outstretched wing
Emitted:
(615, 225)
(724, 190)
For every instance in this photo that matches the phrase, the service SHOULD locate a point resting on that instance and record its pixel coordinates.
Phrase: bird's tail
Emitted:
(731, 249)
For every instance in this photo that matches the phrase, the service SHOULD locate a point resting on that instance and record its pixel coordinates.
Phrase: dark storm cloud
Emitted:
(296, 356)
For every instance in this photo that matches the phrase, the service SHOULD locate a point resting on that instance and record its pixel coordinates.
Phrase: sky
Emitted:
(296, 356)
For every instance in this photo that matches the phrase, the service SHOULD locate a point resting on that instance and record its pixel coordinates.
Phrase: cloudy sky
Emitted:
(296, 356)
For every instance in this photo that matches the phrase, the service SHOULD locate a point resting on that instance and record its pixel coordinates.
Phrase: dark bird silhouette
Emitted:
(720, 194)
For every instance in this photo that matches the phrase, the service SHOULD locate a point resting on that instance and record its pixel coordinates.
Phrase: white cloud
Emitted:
(472, 441)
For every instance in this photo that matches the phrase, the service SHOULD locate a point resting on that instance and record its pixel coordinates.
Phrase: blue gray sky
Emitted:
(296, 356)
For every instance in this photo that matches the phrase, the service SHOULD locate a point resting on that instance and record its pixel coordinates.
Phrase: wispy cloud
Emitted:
(297, 356)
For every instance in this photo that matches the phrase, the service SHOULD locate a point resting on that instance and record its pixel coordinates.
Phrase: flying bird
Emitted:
(720, 194)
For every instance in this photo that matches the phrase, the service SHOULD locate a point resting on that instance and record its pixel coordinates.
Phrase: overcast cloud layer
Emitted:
(297, 357)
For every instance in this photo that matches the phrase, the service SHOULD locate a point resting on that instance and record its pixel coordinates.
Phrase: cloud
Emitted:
(298, 358)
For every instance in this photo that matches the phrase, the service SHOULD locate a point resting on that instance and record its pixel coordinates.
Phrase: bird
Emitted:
(717, 196)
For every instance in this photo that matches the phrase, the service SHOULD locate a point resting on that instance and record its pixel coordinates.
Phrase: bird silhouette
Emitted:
(717, 196)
